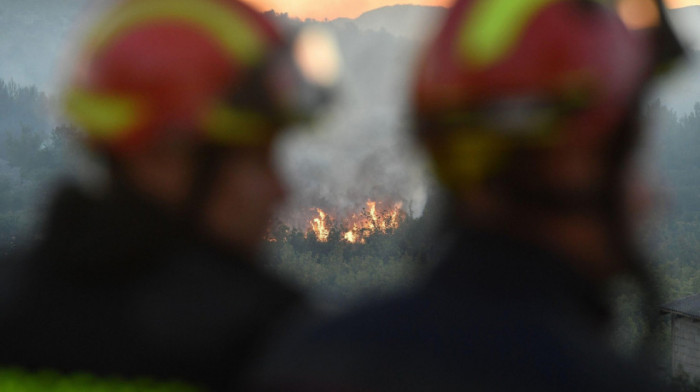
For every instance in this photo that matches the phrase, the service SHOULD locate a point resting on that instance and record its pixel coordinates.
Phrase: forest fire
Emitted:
(356, 228)
(318, 225)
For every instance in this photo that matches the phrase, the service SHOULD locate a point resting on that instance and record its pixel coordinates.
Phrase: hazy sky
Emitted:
(332, 9)
(681, 3)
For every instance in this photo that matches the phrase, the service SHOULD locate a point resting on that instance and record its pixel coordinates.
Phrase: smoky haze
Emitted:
(361, 149)
(34, 34)
(358, 151)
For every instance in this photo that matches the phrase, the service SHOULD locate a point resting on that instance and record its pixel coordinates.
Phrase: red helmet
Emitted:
(203, 70)
(503, 75)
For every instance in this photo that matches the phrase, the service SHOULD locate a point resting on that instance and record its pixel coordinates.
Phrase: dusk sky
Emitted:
(681, 3)
(332, 9)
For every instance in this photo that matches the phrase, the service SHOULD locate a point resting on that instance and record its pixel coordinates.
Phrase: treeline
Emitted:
(23, 107)
(31, 155)
(673, 238)
(339, 271)
(29, 162)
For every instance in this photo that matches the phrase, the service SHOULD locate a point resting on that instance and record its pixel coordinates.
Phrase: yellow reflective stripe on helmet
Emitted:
(236, 34)
(227, 125)
(102, 116)
(493, 28)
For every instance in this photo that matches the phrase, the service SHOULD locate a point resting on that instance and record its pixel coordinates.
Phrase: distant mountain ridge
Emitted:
(403, 20)
(34, 32)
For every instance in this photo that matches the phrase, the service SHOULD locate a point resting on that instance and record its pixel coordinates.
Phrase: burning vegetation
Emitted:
(374, 249)
(374, 218)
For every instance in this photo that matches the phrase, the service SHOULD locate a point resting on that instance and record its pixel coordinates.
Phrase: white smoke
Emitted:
(362, 148)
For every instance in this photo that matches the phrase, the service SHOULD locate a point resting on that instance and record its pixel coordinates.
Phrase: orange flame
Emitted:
(350, 236)
(358, 227)
(372, 221)
(318, 225)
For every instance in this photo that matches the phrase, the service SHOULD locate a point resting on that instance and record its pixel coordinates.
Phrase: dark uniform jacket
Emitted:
(498, 315)
(118, 289)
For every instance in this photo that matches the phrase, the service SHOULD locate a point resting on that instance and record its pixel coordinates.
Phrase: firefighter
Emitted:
(155, 274)
(526, 109)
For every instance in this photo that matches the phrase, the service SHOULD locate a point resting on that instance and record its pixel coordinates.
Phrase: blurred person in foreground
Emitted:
(526, 108)
(155, 275)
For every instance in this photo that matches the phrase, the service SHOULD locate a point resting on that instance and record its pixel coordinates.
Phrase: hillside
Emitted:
(34, 33)
(409, 21)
